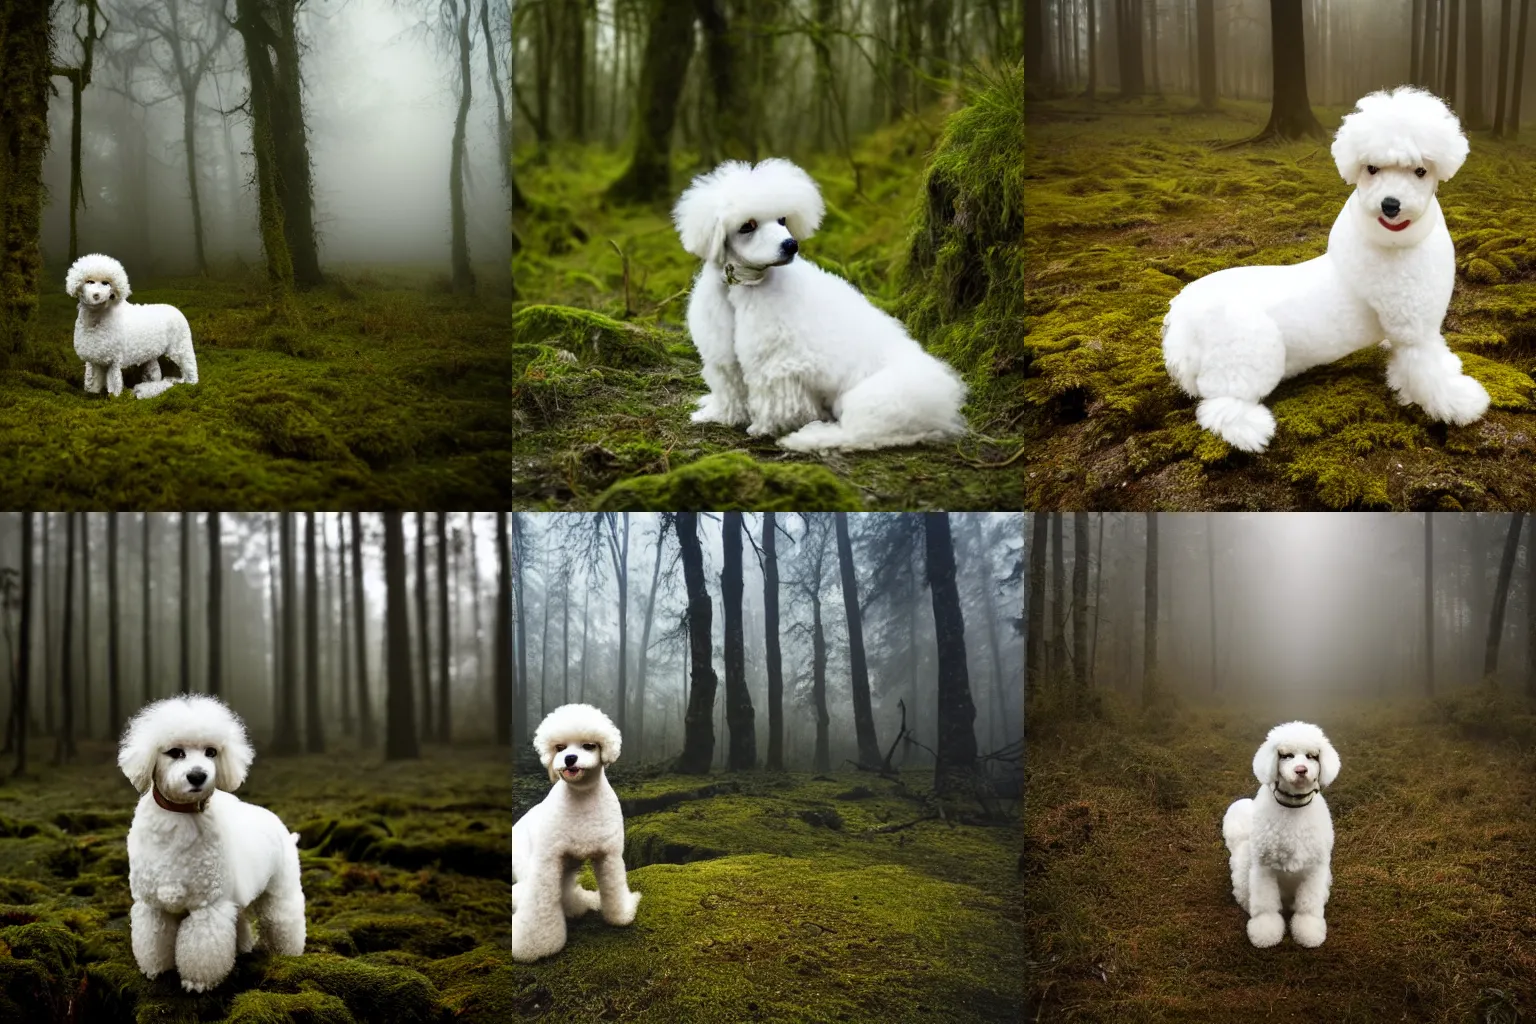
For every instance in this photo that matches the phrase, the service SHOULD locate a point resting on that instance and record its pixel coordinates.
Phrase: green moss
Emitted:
(733, 481)
(592, 337)
(289, 1008)
(379, 995)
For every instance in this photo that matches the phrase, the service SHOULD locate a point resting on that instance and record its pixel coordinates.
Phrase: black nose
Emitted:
(789, 247)
(197, 778)
(570, 759)
(1390, 206)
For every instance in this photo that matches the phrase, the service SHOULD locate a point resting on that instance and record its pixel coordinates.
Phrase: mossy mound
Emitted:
(592, 337)
(731, 482)
(1130, 202)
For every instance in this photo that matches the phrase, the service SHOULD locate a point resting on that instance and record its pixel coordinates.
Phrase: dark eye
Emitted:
(783, 219)
(589, 746)
(1420, 172)
(559, 746)
(1371, 170)
(1311, 757)
(1284, 757)
(175, 753)
(749, 227)
(210, 752)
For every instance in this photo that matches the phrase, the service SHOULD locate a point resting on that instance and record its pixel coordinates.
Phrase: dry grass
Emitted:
(1129, 911)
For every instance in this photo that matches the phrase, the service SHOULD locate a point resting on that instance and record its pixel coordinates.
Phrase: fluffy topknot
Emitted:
(186, 720)
(1406, 127)
(736, 192)
(577, 723)
(1301, 734)
(97, 265)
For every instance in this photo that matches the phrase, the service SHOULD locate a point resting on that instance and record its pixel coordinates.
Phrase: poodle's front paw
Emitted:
(1308, 930)
(1265, 930)
(622, 910)
(714, 409)
(577, 902)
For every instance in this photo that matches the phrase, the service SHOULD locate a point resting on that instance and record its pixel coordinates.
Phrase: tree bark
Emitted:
(21, 696)
(1034, 632)
(400, 727)
(1098, 606)
(668, 48)
(215, 606)
(1530, 614)
(185, 597)
(348, 726)
(146, 609)
(64, 743)
(1128, 34)
(823, 759)
(738, 702)
(645, 645)
(1501, 598)
(443, 730)
(1429, 604)
(463, 274)
(1149, 634)
(698, 724)
(1500, 107)
(1057, 654)
(1452, 51)
(360, 624)
(956, 749)
(516, 692)
(773, 656)
(1519, 83)
(618, 551)
(1476, 115)
(1290, 112)
(314, 729)
(1210, 587)
(863, 712)
(114, 661)
(286, 740)
(424, 646)
(505, 708)
(87, 637)
(1205, 20)
(25, 47)
(1080, 605)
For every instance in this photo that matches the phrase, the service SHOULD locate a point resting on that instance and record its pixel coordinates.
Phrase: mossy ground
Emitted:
(391, 394)
(1130, 201)
(1128, 901)
(406, 878)
(771, 899)
(589, 420)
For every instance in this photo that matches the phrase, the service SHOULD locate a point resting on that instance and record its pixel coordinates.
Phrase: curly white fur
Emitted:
(112, 333)
(579, 820)
(1387, 277)
(1281, 840)
(790, 350)
(199, 876)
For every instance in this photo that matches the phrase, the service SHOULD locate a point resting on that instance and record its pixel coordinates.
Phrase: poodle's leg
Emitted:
(1428, 374)
(205, 946)
(1265, 925)
(1243, 360)
(152, 370)
(92, 379)
(538, 923)
(245, 939)
(186, 358)
(153, 932)
(618, 902)
(115, 379)
(727, 399)
(780, 404)
(1307, 925)
(574, 899)
(515, 887)
(712, 325)
(1240, 874)
(280, 909)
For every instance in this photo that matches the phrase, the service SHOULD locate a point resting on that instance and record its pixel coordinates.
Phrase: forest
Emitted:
(362, 653)
(838, 808)
(333, 226)
(1161, 648)
(1156, 130)
(908, 114)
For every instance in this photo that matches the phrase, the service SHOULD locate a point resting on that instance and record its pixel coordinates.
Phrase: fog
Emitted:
(1292, 606)
(380, 87)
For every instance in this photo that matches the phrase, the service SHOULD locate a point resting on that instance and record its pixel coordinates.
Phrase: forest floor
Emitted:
(770, 897)
(406, 879)
(1432, 916)
(605, 376)
(1128, 202)
(392, 394)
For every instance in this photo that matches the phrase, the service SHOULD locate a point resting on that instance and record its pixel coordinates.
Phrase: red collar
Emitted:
(196, 808)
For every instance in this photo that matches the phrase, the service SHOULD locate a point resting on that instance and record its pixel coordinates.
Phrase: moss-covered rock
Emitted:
(733, 481)
(378, 995)
(591, 337)
(289, 1008)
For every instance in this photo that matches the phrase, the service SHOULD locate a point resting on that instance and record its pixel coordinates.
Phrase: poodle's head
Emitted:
(1395, 149)
(1297, 758)
(185, 746)
(574, 742)
(749, 216)
(97, 280)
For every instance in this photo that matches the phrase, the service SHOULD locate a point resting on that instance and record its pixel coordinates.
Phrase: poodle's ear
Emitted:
(74, 279)
(1264, 763)
(235, 758)
(796, 193)
(1330, 761)
(137, 753)
(699, 215)
(610, 746)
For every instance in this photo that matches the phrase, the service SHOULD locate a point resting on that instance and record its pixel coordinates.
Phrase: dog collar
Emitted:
(744, 273)
(171, 805)
(1293, 800)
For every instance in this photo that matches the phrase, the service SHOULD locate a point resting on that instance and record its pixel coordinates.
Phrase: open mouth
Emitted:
(1390, 226)
(571, 773)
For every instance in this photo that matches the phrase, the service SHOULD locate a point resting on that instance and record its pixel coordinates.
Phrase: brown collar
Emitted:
(196, 808)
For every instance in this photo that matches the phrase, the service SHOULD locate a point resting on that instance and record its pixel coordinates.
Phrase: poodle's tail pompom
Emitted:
(1406, 127)
(97, 265)
(577, 723)
(185, 720)
(911, 402)
(736, 192)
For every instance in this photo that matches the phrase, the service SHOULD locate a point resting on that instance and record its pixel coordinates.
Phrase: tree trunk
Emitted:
(1501, 598)
(114, 661)
(823, 759)
(1415, 40)
(738, 702)
(1519, 83)
(1452, 52)
(1530, 614)
(360, 624)
(773, 656)
(1098, 606)
(1476, 111)
(287, 740)
(1128, 34)
(1080, 605)
(503, 122)
(668, 47)
(698, 724)
(645, 646)
(400, 727)
(1093, 49)
(463, 275)
(273, 570)
(505, 708)
(1057, 654)
(146, 609)
(64, 743)
(863, 713)
(1034, 630)
(185, 596)
(1290, 112)
(443, 731)
(1500, 107)
(251, 21)
(1210, 587)
(314, 729)
(1429, 604)
(88, 638)
(1429, 47)
(215, 607)
(618, 550)
(516, 689)
(956, 748)
(344, 639)
(25, 47)
(424, 646)
(48, 619)
(1034, 42)
(1149, 634)
(1205, 20)
(21, 696)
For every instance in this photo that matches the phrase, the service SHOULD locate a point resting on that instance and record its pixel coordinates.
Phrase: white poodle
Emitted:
(1282, 839)
(790, 350)
(201, 861)
(111, 332)
(579, 820)
(1386, 278)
